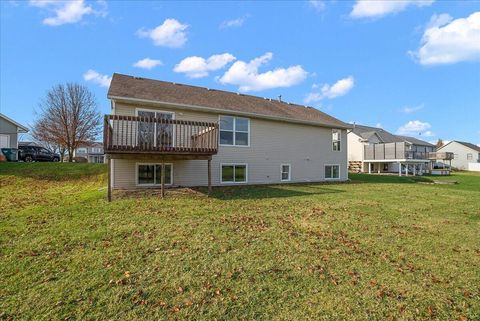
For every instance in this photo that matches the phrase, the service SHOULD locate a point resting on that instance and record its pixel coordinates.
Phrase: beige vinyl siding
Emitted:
(307, 148)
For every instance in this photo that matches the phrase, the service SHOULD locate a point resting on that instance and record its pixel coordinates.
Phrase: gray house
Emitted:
(92, 153)
(9, 130)
(162, 133)
(372, 149)
(466, 155)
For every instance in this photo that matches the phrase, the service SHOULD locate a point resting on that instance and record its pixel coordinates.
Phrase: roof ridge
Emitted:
(215, 89)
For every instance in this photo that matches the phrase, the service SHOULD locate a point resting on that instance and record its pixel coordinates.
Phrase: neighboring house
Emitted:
(93, 153)
(463, 154)
(9, 130)
(372, 149)
(193, 136)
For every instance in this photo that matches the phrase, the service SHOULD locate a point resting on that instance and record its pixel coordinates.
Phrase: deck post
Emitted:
(414, 169)
(399, 169)
(209, 176)
(109, 188)
(369, 168)
(378, 167)
(162, 180)
(406, 169)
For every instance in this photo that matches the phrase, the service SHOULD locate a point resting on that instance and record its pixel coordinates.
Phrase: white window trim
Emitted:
(289, 172)
(234, 142)
(151, 185)
(155, 130)
(339, 139)
(234, 164)
(332, 178)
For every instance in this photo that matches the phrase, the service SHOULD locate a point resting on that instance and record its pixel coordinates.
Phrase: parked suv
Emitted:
(36, 153)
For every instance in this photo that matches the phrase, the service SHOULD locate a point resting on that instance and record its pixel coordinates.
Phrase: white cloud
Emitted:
(147, 63)
(198, 67)
(448, 41)
(97, 78)
(381, 8)
(234, 22)
(415, 128)
(340, 88)
(171, 34)
(71, 11)
(378, 125)
(41, 3)
(318, 5)
(412, 109)
(246, 75)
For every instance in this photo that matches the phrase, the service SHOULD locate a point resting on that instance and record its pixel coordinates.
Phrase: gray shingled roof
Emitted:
(469, 145)
(416, 141)
(366, 132)
(129, 87)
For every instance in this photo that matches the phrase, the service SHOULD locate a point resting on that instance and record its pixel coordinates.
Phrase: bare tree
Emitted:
(68, 118)
(439, 143)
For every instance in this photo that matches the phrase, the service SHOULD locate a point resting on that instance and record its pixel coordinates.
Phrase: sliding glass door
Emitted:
(155, 134)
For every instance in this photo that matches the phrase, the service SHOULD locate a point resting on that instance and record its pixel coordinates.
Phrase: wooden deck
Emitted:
(143, 135)
(158, 139)
(392, 151)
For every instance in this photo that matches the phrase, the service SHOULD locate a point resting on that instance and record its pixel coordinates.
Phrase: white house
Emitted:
(181, 135)
(372, 149)
(464, 154)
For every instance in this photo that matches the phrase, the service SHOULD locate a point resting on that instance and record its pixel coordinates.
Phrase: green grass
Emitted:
(378, 248)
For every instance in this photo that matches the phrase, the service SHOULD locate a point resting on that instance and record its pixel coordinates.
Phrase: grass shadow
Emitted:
(388, 179)
(269, 191)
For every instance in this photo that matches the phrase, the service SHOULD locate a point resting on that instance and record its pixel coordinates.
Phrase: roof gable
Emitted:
(465, 144)
(156, 91)
(23, 128)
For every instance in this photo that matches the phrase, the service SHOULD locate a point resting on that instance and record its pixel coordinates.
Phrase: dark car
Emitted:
(37, 154)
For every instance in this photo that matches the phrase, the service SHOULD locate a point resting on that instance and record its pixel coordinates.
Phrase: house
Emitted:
(92, 153)
(465, 155)
(372, 149)
(184, 135)
(9, 130)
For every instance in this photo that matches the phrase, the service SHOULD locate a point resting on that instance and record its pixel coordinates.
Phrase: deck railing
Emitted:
(440, 156)
(130, 134)
(389, 151)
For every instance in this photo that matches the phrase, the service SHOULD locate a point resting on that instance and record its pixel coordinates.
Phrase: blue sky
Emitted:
(410, 67)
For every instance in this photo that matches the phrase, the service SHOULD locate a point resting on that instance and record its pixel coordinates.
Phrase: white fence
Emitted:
(474, 167)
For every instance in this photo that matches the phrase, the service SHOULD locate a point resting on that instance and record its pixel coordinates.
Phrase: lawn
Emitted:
(378, 248)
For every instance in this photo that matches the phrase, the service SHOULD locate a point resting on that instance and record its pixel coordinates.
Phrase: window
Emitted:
(234, 131)
(151, 174)
(285, 172)
(96, 150)
(152, 133)
(81, 150)
(234, 173)
(336, 139)
(469, 156)
(332, 171)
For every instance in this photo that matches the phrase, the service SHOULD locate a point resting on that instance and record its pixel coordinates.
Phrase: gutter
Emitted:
(224, 111)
